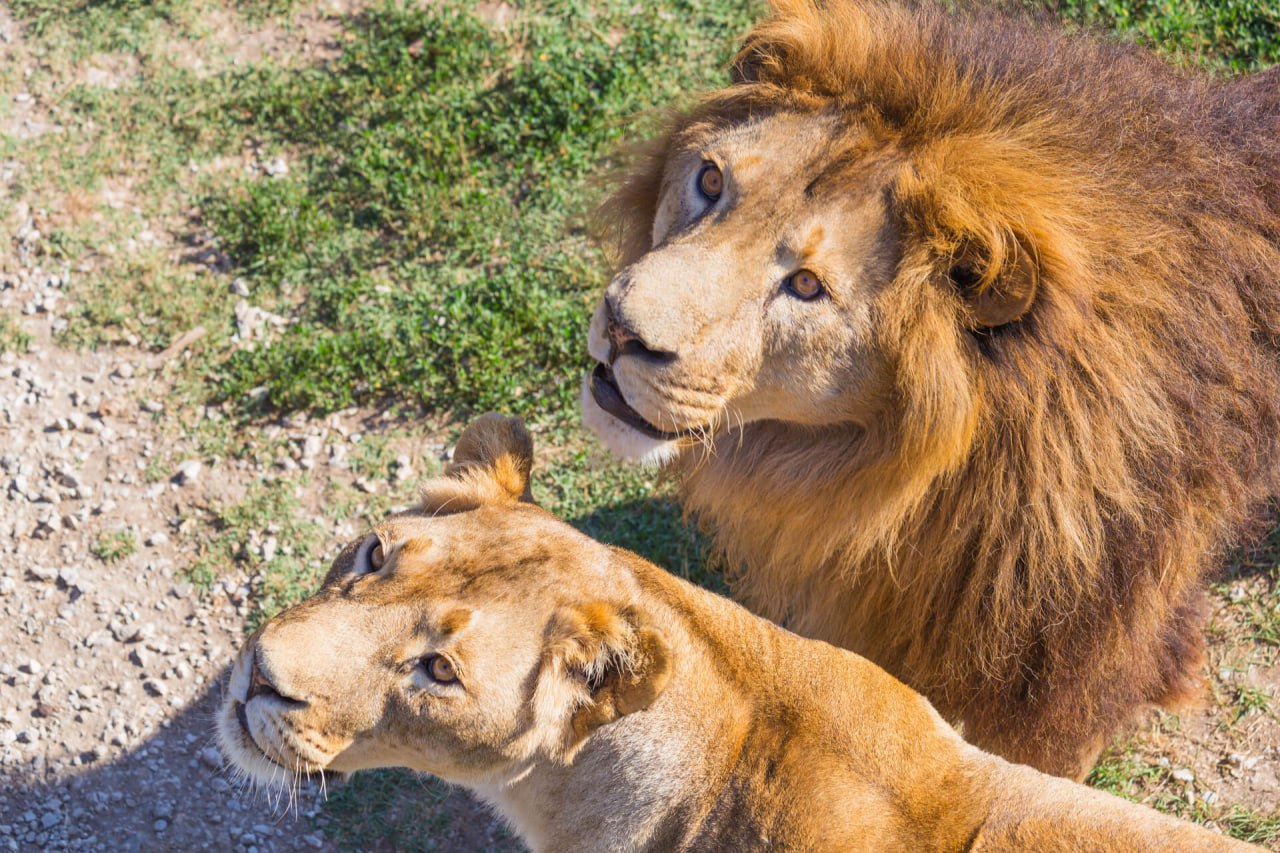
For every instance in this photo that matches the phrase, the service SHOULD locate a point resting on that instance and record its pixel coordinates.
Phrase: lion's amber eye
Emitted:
(711, 181)
(805, 284)
(377, 557)
(441, 669)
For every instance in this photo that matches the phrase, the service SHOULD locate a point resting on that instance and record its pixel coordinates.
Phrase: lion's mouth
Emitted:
(604, 390)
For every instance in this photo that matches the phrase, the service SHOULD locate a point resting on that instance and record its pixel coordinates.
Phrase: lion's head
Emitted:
(466, 638)
(792, 254)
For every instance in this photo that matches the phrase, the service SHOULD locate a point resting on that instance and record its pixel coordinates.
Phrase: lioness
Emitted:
(963, 336)
(602, 704)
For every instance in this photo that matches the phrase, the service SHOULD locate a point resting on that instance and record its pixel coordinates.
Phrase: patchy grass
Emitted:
(1247, 701)
(12, 336)
(1126, 771)
(271, 539)
(113, 545)
(1248, 825)
(402, 811)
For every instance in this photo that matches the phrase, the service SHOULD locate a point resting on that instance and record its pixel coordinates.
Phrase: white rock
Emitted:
(211, 758)
(188, 472)
(43, 573)
(312, 445)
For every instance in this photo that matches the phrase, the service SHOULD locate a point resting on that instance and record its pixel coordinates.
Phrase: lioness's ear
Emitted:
(604, 661)
(498, 449)
(491, 465)
(998, 280)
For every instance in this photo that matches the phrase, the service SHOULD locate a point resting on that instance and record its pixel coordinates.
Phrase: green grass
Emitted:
(114, 545)
(1248, 825)
(1125, 773)
(398, 810)
(1247, 701)
(12, 336)
(435, 214)
(1235, 35)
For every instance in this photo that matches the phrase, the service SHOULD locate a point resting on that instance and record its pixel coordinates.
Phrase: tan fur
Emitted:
(1039, 398)
(606, 705)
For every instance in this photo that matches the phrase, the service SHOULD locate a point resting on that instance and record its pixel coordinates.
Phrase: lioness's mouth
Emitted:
(604, 390)
(242, 718)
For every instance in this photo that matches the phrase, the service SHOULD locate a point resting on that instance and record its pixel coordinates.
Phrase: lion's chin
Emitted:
(622, 439)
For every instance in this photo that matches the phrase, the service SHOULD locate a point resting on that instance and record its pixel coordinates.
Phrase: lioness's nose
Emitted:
(624, 340)
(260, 684)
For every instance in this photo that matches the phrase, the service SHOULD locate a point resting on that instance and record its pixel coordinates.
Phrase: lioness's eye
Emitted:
(371, 556)
(440, 668)
(804, 284)
(710, 181)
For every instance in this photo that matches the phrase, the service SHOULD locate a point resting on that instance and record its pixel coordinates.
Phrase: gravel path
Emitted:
(112, 666)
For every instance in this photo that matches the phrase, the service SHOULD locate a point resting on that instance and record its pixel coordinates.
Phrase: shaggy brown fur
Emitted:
(1023, 533)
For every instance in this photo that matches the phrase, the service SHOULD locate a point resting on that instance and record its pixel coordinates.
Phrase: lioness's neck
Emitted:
(647, 781)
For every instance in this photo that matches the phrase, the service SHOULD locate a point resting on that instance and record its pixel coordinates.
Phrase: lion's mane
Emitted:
(1025, 533)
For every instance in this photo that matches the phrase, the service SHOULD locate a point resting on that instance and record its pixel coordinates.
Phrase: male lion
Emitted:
(602, 704)
(962, 335)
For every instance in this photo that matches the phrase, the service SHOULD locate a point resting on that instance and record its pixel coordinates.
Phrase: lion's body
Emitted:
(1022, 526)
(603, 704)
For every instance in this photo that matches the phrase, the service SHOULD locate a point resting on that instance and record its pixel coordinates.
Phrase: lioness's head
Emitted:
(467, 638)
(832, 239)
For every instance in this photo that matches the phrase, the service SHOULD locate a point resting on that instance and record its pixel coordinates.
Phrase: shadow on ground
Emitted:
(170, 792)
(655, 529)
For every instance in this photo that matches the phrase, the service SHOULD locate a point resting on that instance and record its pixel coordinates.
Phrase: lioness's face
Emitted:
(420, 650)
(756, 300)
(467, 639)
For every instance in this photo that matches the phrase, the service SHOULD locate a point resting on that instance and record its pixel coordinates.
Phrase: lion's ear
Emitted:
(491, 464)
(748, 63)
(999, 280)
(605, 661)
(764, 54)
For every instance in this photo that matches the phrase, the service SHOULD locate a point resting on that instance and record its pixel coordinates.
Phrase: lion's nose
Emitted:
(624, 340)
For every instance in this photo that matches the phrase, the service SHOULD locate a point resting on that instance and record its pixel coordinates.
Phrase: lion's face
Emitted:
(756, 299)
(465, 638)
